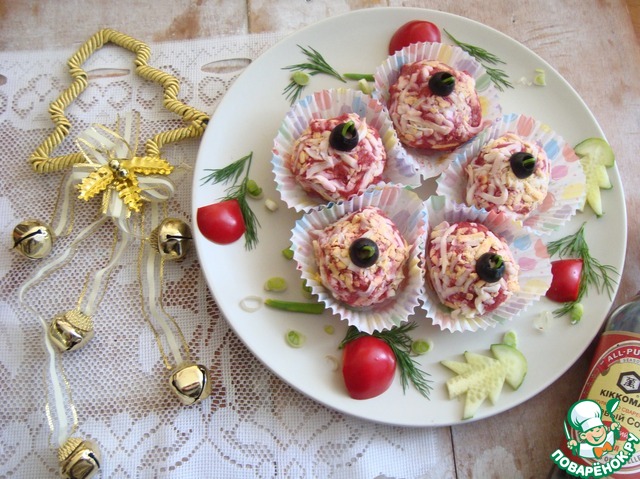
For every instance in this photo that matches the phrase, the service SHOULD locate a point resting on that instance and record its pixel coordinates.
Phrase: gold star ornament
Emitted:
(121, 176)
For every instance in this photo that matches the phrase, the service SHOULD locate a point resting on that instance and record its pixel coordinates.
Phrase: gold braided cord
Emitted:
(41, 159)
(155, 144)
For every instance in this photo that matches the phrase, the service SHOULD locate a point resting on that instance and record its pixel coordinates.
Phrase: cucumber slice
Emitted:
(514, 362)
(598, 149)
(604, 182)
(596, 156)
(480, 377)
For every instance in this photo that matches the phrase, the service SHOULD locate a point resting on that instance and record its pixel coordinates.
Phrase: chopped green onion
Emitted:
(251, 304)
(300, 78)
(421, 346)
(333, 361)
(306, 289)
(295, 307)
(253, 189)
(287, 253)
(295, 339)
(540, 78)
(541, 322)
(359, 76)
(576, 313)
(276, 284)
(365, 87)
(348, 129)
(510, 338)
(270, 204)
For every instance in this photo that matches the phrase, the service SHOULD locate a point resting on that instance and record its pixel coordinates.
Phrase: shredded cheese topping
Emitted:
(428, 121)
(492, 185)
(356, 286)
(332, 174)
(453, 251)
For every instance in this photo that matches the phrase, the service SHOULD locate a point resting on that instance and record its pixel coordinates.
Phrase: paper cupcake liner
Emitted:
(399, 168)
(406, 211)
(433, 163)
(528, 250)
(567, 183)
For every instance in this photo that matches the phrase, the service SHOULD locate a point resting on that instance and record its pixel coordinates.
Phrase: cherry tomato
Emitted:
(414, 32)
(565, 281)
(368, 367)
(222, 222)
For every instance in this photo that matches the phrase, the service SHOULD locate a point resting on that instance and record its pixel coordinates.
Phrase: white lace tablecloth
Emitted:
(253, 425)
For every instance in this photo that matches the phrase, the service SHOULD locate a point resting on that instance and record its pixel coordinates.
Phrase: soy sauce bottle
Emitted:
(613, 382)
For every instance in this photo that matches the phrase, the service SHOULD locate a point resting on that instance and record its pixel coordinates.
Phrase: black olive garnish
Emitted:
(523, 164)
(442, 83)
(490, 267)
(364, 252)
(344, 137)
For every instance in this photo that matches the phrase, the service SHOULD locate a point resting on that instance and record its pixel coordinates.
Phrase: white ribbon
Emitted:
(151, 275)
(64, 411)
(98, 145)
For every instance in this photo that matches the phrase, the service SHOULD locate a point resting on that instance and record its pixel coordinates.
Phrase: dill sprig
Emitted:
(316, 64)
(400, 342)
(499, 78)
(593, 273)
(232, 173)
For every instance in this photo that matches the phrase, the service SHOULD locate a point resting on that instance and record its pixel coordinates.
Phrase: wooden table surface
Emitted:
(591, 43)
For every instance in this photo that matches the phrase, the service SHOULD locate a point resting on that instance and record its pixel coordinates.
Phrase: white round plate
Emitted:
(247, 120)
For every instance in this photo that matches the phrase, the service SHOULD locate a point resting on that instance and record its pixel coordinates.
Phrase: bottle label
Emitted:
(602, 429)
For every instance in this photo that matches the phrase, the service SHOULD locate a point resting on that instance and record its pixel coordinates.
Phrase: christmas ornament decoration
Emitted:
(41, 159)
(79, 459)
(71, 330)
(168, 241)
(191, 383)
(134, 189)
(171, 239)
(116, 171)
(33, 239)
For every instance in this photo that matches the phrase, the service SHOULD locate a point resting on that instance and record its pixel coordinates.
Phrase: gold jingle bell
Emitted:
(71, 330)
(79, 459)
(33, 239)
(171, 238)
(191, 383)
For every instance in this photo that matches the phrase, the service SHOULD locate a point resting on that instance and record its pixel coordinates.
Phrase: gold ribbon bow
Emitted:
(112, 167)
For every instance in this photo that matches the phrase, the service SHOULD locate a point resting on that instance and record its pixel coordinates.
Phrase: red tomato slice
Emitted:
(565, 282)
(415, 31)
(368, 367)
(222, 222)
